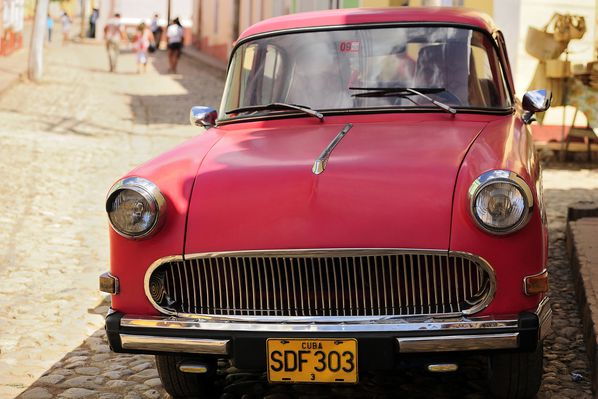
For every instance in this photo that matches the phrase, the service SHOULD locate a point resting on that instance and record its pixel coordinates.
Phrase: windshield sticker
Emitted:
(349, 46)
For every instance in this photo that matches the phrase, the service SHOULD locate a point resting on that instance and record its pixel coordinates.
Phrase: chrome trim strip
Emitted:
(322, 160)
(365, 111)
(454, 343)
(175, 344)
(152, 195)
(305, 253)
(506, 323)
(500, 176)
(349, 324)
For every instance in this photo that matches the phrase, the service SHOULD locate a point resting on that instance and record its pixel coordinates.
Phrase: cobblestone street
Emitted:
(65, 141)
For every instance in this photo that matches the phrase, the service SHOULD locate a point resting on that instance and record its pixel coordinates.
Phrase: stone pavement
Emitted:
(64, 142)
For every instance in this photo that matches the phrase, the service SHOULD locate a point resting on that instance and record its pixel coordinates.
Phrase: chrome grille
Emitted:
(322, 283)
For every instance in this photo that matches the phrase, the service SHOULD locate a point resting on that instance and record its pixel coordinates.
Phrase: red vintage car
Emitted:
(367, 196)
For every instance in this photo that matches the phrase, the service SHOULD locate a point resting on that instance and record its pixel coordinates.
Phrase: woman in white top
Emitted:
(174, 35)
(66, 27)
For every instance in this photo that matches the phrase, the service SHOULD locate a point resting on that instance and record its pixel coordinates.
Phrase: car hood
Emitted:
(386, 185)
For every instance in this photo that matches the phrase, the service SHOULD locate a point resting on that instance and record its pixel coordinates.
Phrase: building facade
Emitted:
(135, 11)
(217, 24)
(11, 25)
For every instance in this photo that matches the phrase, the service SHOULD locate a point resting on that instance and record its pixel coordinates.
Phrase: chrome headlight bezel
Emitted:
(501, 176)
(150, 193)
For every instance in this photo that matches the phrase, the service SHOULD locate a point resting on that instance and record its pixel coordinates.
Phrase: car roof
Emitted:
(355, 16)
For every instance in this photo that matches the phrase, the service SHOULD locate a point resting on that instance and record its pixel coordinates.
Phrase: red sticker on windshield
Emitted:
(349, 47)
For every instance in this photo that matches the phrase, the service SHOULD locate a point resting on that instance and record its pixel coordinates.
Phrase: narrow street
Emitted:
(65, 141)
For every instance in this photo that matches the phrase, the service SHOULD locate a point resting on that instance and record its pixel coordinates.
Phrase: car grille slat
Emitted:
(322, 284)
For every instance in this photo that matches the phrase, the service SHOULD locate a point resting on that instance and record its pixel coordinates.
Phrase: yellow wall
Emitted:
(68, 6)
(486, 6)
(29, 8)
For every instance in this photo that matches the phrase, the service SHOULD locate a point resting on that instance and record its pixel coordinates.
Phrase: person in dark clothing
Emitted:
(93, 18)
(156, 30)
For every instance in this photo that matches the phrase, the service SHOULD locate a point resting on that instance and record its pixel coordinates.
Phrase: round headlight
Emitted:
(500, 201)
(135, 207)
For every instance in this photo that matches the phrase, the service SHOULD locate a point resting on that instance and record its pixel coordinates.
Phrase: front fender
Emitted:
(503, 144)
(174, 173)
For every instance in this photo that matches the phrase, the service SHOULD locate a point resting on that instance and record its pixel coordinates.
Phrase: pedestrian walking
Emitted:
(93, 19)
(113, 33)
(50, 26)
(66, 22)
(174, 36)
(156, 30)
(141, 43)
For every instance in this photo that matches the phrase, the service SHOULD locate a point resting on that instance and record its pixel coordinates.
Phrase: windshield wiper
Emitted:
(277, 106)
(403, 92)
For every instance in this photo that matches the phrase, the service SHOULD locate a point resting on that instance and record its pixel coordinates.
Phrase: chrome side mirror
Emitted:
(203, 116)
(535, 101)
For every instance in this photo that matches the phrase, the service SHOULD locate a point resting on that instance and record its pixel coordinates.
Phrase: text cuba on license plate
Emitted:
(312, 360)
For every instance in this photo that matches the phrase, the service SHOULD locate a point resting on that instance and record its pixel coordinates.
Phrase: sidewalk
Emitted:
(582, 226)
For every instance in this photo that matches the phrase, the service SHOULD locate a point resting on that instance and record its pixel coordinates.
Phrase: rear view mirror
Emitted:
(203, 116)
(535, 101)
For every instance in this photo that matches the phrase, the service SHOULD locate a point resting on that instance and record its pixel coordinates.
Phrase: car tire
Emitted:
(516, 375)
(185, 385)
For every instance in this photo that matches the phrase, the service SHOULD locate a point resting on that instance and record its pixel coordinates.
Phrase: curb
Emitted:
(582, 249)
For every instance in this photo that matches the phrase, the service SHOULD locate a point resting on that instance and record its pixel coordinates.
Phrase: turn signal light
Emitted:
(536, 284)
(109, 284)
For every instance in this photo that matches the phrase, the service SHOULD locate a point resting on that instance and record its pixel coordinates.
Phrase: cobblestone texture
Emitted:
(63, 144)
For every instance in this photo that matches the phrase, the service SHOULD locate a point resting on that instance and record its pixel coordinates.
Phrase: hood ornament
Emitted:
(322, 160)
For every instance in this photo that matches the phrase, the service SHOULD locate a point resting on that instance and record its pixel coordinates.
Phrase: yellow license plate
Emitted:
(312, 360)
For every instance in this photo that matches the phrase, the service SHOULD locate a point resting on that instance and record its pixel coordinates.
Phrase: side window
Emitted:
(271, 80)
(482, 64)
(255, 76)
(482, 89)
(261, 81)
(248, 78)
(503, 52)
(487, 86)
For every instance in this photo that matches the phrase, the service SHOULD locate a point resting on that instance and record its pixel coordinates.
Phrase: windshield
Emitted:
(327, 70)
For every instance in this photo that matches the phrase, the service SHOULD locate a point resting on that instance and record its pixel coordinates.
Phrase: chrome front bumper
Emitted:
(215, 336)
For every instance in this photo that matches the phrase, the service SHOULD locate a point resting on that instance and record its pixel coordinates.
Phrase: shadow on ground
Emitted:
(203, 85)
